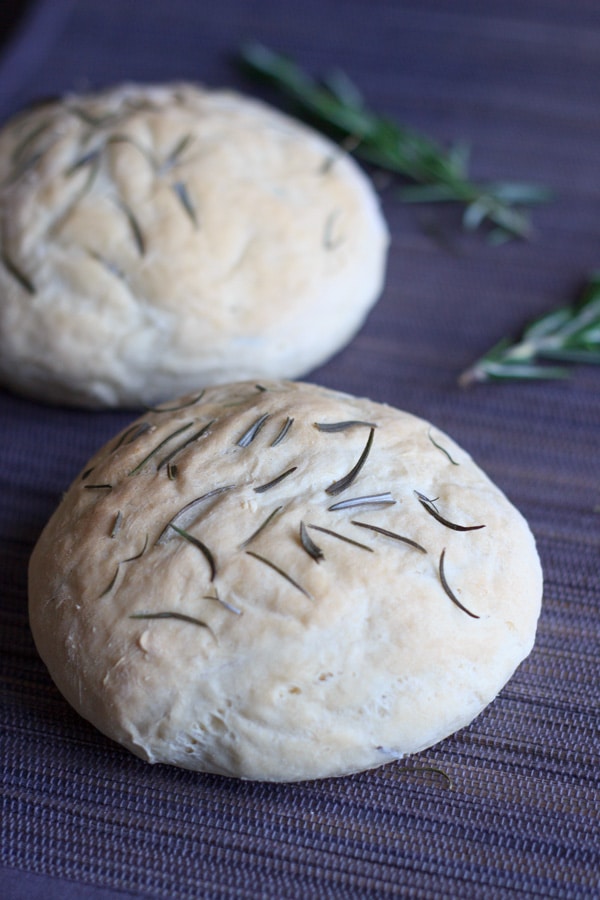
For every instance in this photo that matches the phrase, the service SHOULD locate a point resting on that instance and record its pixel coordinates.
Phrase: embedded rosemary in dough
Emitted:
(155, 238)
(199, 597)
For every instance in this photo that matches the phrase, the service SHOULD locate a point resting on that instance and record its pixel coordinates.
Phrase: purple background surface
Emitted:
(80, 817)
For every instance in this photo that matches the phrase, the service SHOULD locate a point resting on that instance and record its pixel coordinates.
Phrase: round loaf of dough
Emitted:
(282, 582)
(157, 238)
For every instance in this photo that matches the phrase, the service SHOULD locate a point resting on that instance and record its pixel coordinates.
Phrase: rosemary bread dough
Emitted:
(156, 238)
(282, 582)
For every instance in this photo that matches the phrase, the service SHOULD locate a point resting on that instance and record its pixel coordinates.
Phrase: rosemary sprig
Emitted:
(438, 175)
(569, 334)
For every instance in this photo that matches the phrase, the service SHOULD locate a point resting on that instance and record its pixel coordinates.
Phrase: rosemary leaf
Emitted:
(108, 265)
(569, 334)
(131, 434)
(249, 435)
(89, 119)
(97, 487)
(110, 584)
(384, 499)
(192, 402)
(341, 426)
(117, 524)
(391, 534)
(342, 537)
(187, 513)
(448, 589)
(338, 486)
(174, 157)
(229, 606)
(196, 542)
(272, 565)
(20, 150)
(166, 461)
(261, 527)
(17, 273)
(134, 225)
(430, 507)
(182, 194)
(138, 555)
(89, 157)
(439, 447)
(280, 436)
(127, 139)
(330, 241)
(309, 545)
(275, 481)
(336, 106)
(180, 617)
(153, 452)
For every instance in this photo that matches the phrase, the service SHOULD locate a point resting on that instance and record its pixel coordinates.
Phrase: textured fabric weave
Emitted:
(510, 806)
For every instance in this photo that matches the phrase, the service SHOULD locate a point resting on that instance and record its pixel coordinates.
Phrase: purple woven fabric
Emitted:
(510, 806)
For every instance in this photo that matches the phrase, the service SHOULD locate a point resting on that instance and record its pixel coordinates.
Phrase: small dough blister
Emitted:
(278, 581)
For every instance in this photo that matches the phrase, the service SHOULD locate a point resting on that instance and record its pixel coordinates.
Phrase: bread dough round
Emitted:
(156, 238)
(268, 581)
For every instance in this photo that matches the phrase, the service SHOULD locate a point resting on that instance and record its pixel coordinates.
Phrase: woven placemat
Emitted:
(510, 805)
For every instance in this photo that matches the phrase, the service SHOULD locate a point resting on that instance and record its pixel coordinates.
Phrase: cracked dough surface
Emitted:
(154, 238)
(197, 598)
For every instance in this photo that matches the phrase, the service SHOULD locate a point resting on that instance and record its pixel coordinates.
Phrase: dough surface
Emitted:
(156, 238)
(268, 581)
